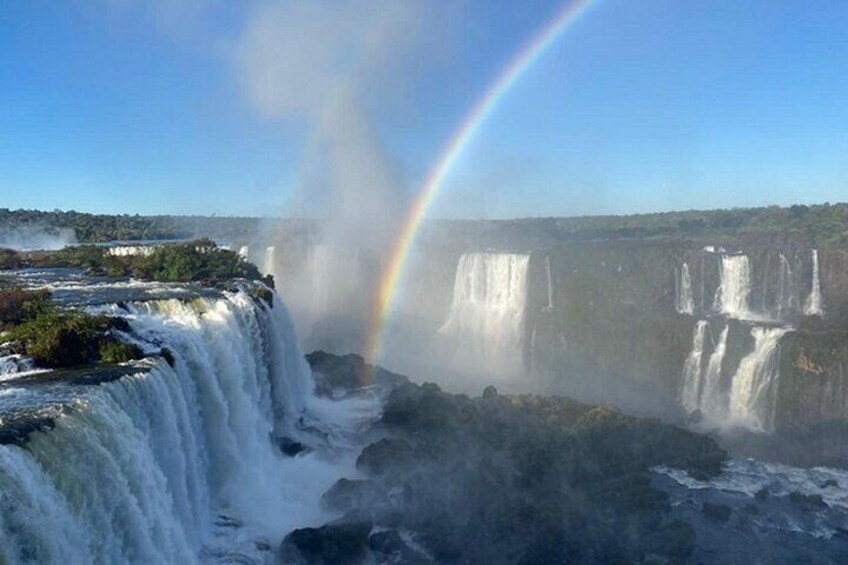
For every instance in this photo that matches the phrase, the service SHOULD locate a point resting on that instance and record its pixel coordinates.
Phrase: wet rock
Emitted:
(349, 495)
(288, 446)
(716, 512)
(384, 455)
(807, 501)
(347, 372)
(338, 544)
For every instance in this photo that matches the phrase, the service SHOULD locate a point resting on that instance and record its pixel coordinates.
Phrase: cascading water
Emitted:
(712, 396)
(786, 286)
(734, 291)
(550, 289)
(814, 305)
(268, 264)
(140, 469)
(485, 325)
(244, 252)
(685, 301)
(754, 384)
(690, 395)
(132, 250)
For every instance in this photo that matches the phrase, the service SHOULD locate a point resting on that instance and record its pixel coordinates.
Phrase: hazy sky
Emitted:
(137, 107)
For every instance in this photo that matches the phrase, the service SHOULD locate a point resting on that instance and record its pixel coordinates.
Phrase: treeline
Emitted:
(820, 225)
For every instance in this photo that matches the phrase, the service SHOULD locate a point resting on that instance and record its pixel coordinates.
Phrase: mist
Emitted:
(36, 238)
(314, 67)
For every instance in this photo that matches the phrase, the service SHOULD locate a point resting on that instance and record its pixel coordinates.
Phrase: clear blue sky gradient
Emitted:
(641, 106)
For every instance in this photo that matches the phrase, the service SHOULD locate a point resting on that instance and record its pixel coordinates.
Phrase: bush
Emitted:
(64, 339)
(10, 259)
(115, 352)
(18, 305)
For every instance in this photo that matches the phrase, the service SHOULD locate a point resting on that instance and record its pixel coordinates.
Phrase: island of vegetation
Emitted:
(32, 325)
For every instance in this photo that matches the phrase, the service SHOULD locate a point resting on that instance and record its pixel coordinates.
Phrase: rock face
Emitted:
(519, 479)
(340, 373)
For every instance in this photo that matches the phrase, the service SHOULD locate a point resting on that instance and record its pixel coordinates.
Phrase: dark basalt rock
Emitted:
(340, 544)
(288, 446)
(348, 495)
(807, 501)
(522, 479)
(386, 454)
(348, 372)
(717, 512)
(17, 431)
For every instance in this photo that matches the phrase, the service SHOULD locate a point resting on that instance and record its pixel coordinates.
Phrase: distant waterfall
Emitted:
(712, 396)
(486, 321)
(550, 282)
(786, 286)
(268, 265)
(132, 250)
(814, 306)
(685, 301)
(753, 388)
(244, 252)
(690, 395)
(138, 470)
(734, 291)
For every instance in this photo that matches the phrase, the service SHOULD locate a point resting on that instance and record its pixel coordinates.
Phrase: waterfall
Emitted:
(690, 395)
(712, 396)
(139, 469)
(733, 294)
(244, 252)
(485, 325)
(550, 305)
(752, 392)
(786, 286)
(685, 301)
(814, 306)
(268, 264)
(132, 250)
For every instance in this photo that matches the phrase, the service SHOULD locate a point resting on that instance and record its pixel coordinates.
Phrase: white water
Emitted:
(786, 286)
(132, 250)
(814, 305)
(690, 396)
(244, 252)
(754, 386)
(268, 263)
(712, 402)
(550, 305)
(485, 326)
(734, 291)
(685, 303)
(141, 468)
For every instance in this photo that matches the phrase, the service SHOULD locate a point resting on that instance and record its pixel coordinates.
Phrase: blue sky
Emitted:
(641, 106)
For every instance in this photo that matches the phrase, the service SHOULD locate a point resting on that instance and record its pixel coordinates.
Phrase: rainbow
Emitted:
(530, 52)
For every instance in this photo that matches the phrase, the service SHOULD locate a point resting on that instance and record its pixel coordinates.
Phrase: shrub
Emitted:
(10, 259)
(18, 305)
(64, 339)
(112, 351)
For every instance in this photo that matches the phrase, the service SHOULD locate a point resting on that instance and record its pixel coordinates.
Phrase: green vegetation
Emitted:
(119, 352)
(57, 338)
(18, 305)
(199, 260)
(9, 259)
(821, 225)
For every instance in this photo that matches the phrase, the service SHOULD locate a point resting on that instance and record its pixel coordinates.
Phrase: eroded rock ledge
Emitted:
(507, 479)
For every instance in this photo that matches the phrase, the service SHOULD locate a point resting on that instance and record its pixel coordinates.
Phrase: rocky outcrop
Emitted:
(520, 479)
(343, 373)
